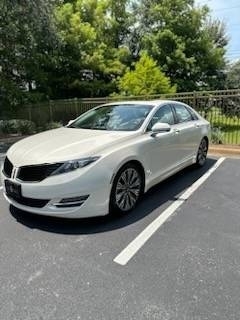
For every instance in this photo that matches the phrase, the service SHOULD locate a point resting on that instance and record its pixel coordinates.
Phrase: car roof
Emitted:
(146, 102)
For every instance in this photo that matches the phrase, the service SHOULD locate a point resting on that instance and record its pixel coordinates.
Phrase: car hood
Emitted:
(64, 144)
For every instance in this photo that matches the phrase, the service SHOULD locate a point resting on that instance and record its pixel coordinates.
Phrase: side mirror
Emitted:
(70, 122)
(160, 127)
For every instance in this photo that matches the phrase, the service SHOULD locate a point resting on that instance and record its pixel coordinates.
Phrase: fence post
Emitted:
(76, 106)
(30, 112)
(194, 99)
(50, 111)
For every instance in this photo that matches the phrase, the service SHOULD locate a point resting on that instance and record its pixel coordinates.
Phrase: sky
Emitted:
(229, 12)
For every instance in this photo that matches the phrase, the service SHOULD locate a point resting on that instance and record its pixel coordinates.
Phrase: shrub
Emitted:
(26, 127)
(217, 136)
(17, 126)
(53, 125)
(49, 126)
(6, 126)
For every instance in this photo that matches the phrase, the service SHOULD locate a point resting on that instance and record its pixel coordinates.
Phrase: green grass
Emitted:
(229, 126)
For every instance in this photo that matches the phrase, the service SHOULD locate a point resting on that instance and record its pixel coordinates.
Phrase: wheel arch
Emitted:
(203, 137)
(137, 164)
(134, 162)
(207, 139)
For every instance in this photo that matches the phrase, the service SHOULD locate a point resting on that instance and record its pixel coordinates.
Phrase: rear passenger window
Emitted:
(194, 115)
(182, 113)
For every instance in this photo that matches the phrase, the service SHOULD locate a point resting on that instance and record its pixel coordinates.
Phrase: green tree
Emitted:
(27, 38)
(78, 48)
(145, 79)
(215, 64)
(233, 76)
(179, 36)
(93, 34)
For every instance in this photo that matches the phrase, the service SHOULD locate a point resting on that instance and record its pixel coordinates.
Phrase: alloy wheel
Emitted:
(128, 189)
(202, 152)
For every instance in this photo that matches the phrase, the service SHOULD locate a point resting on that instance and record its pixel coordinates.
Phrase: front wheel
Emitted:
(126, 190)
(202, 153)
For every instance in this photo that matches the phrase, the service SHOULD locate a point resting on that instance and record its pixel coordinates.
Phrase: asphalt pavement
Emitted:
(189, 269)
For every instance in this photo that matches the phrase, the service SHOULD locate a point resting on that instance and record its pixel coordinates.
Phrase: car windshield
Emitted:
(127, 117)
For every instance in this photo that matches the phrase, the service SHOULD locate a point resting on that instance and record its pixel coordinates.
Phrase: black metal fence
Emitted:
(221, 108)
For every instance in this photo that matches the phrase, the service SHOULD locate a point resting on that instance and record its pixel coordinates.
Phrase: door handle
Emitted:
(197, 125)
(177, 131)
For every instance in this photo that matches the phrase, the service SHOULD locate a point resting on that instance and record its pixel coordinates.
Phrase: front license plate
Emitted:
(13, 189)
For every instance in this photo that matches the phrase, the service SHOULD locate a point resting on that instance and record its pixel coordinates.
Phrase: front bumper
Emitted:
(70, 185)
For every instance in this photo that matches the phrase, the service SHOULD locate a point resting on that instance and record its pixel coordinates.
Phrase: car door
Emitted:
(188, 132)
(162, 150)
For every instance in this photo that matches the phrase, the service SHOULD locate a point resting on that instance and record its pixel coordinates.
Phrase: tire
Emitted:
(202, 153)
(127, 189)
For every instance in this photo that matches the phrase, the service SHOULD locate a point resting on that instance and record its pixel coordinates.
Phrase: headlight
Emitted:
(72, 165)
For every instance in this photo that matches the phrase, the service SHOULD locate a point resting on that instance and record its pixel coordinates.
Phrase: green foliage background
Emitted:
(54, 49)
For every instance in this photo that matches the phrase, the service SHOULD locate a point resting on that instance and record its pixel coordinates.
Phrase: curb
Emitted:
(228, 150)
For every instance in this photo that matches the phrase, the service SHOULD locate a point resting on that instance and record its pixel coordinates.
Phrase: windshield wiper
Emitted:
(88, 128)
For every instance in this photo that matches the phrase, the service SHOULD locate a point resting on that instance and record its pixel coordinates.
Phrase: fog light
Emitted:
(74, 199)
(71, 202)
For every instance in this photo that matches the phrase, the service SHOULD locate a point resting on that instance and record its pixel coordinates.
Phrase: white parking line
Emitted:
(143, 237)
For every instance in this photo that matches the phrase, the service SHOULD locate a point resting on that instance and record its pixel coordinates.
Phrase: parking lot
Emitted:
(188, 269)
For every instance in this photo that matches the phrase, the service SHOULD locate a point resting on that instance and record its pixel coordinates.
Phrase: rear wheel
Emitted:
(202, 153)
(126, 190)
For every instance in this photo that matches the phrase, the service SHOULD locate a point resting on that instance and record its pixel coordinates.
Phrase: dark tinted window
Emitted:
(183, 114)
(164, 114)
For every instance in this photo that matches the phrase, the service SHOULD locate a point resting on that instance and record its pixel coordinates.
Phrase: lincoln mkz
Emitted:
(103, 161)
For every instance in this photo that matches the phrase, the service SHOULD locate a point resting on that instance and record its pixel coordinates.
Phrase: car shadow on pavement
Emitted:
(157, 196)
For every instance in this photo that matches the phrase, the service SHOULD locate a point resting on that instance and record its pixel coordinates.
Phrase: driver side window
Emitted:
(164, 114)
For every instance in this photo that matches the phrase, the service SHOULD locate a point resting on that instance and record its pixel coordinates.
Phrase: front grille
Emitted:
(7, 167)
(36, 172)
(37, 203)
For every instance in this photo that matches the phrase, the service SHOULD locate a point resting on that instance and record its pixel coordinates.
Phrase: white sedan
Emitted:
(104, 161)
